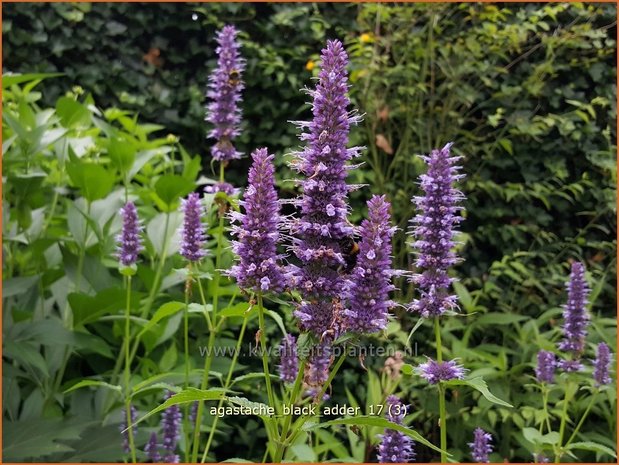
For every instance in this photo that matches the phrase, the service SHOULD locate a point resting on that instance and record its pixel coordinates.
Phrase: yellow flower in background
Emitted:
(365, 38)
(309, 65)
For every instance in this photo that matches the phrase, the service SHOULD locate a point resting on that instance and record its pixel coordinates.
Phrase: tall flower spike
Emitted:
(434, 371)
(367, 290)
(289, 361)
(323, 225)
(434, 228)
(317, 368)
(546, 365)
(192, 230)
(601, 365)
(123, 427)
(257, 230)
(129, 240)
(480, 447)
(395, 447)
(224, 92)
(170, 429)
(576, 318)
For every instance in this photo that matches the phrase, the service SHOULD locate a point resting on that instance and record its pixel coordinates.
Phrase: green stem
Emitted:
(263, 346)
(186, 347)
(284, 442)
(546, 414)
(207, 368)
(582, 418)
(226, 386)
(279, 453)
(566, 399)
(441, 393)
(128, 371)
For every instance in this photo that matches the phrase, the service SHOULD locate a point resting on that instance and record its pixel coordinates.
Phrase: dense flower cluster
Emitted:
(367, 290)
(601, 365)
(129, 240)
(257, 230)
(395, 447)
(480, 447)
(546, 365)
(322, 224)
(289, 361)
(224, 91)
(434, 371)
(434, 228)
(575, 314)
(192, 230)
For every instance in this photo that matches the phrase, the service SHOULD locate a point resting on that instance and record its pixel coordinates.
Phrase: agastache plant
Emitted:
(170, 431)
(367, 290)
(258, 230)
(129, 240)
(601, 365)
(434, 229)
(395, 447)
(224, 92)
(192, 230)
(323, 205)
(546, 365)
(289, 360)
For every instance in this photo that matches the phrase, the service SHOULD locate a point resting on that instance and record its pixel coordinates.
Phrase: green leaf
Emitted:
(122, 153)
(407, 369)
(184, 397)
(30, 439)
(496, 318)
(94, 181)
(254, 406)
(94, 382)
(72, 113)
(480, 385)
(236, 310)
(166, 310)
(16, 286)
(303, 453)
(161, 238)
(15, 79)
(381, 423)
(278, 319)
(171, 187)
(592, 446)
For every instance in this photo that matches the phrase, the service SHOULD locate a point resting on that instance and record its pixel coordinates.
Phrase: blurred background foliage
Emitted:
(526, 91)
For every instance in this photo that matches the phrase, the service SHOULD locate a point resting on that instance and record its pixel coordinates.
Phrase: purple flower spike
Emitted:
(317, 368)
(368, 289)
(434, 371)
(576, 318)
(546, 365)
(170, 427)
(257, 230)
(601, 365)
(434, 228)
(224, 92)
(123, 426)
(289, 361)
(322, 224)
(171, 458)
(395, 447)
(152, 449)
(192, 231)
(480, 447)
(129, 240)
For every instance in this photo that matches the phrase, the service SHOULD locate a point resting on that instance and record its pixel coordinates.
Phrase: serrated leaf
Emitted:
(94, 382)
(592, 446)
